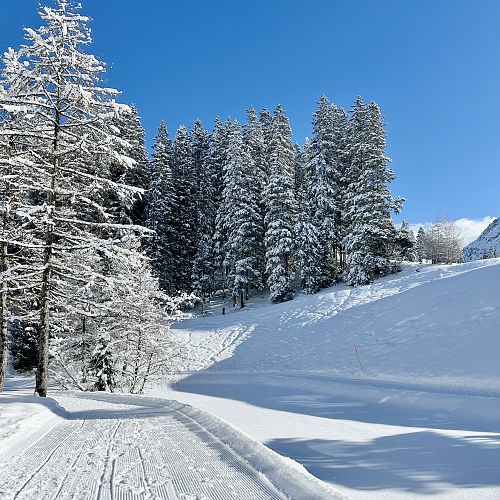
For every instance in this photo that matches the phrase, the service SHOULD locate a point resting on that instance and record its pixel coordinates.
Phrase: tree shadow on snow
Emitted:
(419, 462)
(328, 398)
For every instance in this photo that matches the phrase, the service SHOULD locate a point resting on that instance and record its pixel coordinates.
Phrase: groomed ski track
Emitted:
(119, 447)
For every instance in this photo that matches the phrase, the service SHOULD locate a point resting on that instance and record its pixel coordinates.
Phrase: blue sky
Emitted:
(433, 66)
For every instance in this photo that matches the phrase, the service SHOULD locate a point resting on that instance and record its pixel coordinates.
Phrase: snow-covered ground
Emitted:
(103, 446)
(421, 420)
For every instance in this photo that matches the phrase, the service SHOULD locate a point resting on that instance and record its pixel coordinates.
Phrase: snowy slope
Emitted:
(439, 326)
(488, 241)
(422, 420)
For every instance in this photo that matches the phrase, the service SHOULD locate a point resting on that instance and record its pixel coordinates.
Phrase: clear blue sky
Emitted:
(432, 65)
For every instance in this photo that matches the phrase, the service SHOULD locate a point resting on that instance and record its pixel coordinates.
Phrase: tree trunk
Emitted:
(3, 316)
(42, 372)
(4, 265)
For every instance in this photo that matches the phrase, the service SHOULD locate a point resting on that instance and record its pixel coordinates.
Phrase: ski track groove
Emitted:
(152, 453)
(44, 462)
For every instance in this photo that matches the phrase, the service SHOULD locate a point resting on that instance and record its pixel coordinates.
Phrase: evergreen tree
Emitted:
(185, 211)
(281, 210)
(309, 251)
(218, 159)
(254, 140)
(206, 203)
(371, 232)
(325, 187)
(266, 123)
(135, 174)
(421, 245)
(161, 203)
(244, 224)
(406, 243)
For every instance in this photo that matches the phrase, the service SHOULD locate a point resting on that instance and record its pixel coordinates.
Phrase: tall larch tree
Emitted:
(55, 94)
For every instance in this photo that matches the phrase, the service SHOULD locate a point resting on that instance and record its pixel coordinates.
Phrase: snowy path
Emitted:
(122, 447)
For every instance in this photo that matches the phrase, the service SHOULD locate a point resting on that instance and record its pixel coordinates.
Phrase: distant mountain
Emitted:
(487, 245)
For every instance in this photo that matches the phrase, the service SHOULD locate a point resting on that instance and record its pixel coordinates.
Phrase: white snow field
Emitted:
(104, 446)
(422, 420)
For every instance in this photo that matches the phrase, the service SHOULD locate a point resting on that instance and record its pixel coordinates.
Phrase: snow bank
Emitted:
(23, 418)
(434, 329)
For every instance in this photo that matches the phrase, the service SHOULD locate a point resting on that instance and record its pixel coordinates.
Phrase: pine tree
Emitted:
(185, 211)
(136, 174)
(244, 224)
(255, 142)
(309, 251)
(421, 245)
(218, 160)
(206, 208)
(371, 232)
(266, 123)
(325, 187)
(160, 208)
(281, 210)
(405, 242)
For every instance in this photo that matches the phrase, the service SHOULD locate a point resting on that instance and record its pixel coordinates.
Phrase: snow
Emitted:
(280, 407)
(488, 241)
(99, 445)
(421, 419)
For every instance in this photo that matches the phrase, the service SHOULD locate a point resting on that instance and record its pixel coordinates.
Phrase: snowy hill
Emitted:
(488, 242)
(421, 420)
(438, 326)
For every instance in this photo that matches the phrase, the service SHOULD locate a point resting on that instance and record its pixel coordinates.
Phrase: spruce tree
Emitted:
(184, 216)
(405, 242)
(371, 232)
(421, 245)
(160, 209)
(136, 174)
(255, 142)
(218, 159)
(206, 207)
(244, 224)
(281, 210)
(309, 251)
(325, 187)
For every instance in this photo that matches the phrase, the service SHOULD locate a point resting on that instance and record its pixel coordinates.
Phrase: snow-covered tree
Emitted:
(370, 234)
(421, 245)
(309, 251)
(218, 155)
(54, 96)
(444, 242)
(281, 210)
(130, 130)
(207, 199)
(405, 243)
(325, 187)
(160, 210)
(184, 216)
(255, 142)
(244, 222)
(124, 338)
